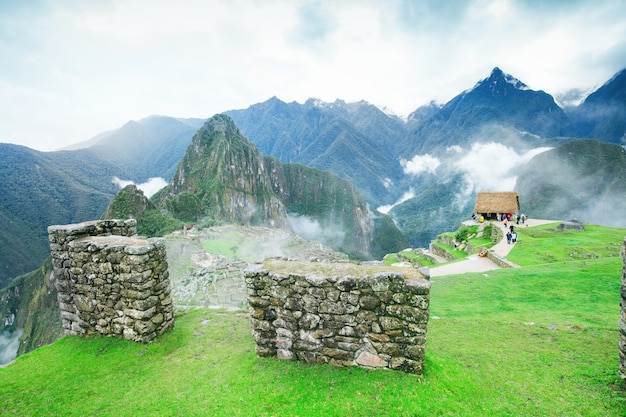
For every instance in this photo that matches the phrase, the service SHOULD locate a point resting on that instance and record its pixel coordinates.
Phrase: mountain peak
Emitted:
(498, 77)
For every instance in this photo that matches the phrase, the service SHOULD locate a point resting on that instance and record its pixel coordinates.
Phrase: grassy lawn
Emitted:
(535, 341)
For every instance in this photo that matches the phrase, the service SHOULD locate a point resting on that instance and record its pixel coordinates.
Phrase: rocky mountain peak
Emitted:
(500, 82)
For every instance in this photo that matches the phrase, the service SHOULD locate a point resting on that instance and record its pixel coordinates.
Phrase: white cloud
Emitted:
(406, 196)
(149, 188)
(73, 69)
(419, 164)
(492, 166)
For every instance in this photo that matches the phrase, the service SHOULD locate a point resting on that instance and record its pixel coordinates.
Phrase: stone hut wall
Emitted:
(622, 320)
(109, 281)
(375, 321)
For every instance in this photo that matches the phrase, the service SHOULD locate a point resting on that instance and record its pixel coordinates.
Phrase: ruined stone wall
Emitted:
(622, 320)
(110, 281)
(376, 321)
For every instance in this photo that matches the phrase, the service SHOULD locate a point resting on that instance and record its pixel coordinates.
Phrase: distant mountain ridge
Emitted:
(351, 140)
(602, 115)
(500, 100)
(356, 141)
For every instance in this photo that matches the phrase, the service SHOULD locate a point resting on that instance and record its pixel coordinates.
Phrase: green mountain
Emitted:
(352, 140)
(38, 189)
(29, 312)
(583, 179)
(131, 203)
(224, 178)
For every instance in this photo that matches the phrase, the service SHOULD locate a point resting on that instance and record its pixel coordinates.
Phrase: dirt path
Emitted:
(474, 263)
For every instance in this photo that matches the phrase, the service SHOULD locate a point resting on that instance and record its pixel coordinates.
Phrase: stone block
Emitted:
(370, 360)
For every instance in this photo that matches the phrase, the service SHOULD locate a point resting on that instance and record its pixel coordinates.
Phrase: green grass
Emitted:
(545, 244)
(458, 254)
(414, 258)
(477, 242)
(534, 341)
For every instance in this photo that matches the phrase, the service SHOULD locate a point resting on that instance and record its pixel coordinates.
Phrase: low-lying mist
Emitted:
(311, 229)
(9, 343)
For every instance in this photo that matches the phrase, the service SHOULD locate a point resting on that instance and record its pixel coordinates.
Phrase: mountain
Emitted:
(224, 178)
(38, 189)
(583, 179)
(29, 313)
(421, 114)
(499, 100)
(131, 203)
(150, 147)
(355, 141)
(352, 140)
(602, 115)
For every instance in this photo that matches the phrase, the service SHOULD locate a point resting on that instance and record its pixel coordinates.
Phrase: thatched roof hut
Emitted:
(489, 203)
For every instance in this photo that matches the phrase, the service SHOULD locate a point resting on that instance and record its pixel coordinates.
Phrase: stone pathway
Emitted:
(475, 263)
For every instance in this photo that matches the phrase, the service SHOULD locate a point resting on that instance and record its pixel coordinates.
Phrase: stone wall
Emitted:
(622, 320)
(376, 320)
(109, 281)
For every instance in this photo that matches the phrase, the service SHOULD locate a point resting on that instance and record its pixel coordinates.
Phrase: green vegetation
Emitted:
(535, 341)
(152, 223)
(33, 300)
(458, 254)
(546, 244)
(413, 257)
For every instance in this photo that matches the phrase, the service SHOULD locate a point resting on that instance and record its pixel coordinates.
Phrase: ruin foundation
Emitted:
(109, 281)
(622, 320)
(375, 321)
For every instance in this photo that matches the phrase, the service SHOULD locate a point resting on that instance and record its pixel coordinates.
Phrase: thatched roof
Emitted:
(497, 202)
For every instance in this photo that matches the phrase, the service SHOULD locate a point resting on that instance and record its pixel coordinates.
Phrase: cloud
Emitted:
(72, 70)
(492, 166)
(149, 188)
(419, 164)
(311, 229)
(406, 196)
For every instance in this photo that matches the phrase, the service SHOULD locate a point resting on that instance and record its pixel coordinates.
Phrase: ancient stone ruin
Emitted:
(573, 224)
(341, 314)
(110, 281)
(622, 320)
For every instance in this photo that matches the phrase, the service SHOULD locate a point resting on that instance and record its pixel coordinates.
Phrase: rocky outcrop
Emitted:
(341, 314)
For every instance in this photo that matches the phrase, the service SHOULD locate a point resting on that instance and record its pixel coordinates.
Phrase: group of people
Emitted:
(507, 220)
(510, 217)
(511, 235)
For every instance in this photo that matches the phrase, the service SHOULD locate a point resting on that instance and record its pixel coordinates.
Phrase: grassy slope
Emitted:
(536, 341)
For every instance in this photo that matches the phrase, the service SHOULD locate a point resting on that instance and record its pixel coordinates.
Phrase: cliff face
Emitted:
(29, 307)
(223, 177)
(323, 207)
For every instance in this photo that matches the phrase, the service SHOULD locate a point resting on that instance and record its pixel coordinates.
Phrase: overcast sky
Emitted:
(71, 69)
